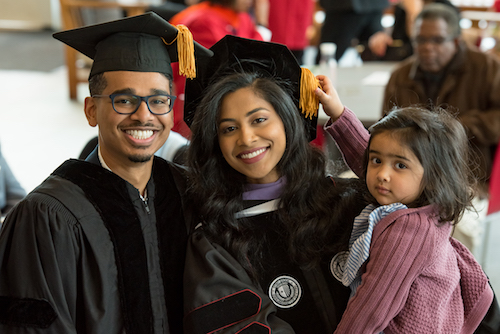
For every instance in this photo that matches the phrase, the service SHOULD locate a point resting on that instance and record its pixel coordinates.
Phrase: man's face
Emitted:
(129, 140)
(433, 44)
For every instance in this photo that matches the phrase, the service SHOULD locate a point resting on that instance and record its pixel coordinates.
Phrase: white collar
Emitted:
(101, 160)
(268, 206)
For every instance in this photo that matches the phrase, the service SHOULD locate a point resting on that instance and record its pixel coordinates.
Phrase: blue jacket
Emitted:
(11, 190)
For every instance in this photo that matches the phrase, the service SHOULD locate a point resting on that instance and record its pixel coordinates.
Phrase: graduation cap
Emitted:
(235, 54)
(143, 43)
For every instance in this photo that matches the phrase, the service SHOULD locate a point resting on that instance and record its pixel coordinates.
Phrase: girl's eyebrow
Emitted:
(402, 157)
(251, 112)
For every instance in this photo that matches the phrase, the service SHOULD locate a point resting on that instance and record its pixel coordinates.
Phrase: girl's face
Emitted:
(251, 136)
(394, 173)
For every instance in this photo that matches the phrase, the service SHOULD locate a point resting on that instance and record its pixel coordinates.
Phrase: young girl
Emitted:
(259, 259)
(407, 275)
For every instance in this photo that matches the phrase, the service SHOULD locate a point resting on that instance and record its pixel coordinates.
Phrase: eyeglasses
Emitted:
(127, 104)
(436, 40)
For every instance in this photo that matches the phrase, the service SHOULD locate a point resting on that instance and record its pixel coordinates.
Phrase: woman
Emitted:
(268, 229)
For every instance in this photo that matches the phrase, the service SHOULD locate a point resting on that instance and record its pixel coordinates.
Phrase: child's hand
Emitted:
(329, 98)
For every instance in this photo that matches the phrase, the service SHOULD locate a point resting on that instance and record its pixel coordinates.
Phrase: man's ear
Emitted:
(91, 111)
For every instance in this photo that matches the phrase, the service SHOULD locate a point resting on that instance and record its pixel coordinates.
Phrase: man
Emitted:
(99, 246)
(443, 71)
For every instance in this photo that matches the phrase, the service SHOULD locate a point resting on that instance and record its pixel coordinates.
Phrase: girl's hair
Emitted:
(440, 143)
(308, 200)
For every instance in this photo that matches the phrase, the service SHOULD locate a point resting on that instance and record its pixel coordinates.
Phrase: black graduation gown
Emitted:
(83, 254)
(219, 295)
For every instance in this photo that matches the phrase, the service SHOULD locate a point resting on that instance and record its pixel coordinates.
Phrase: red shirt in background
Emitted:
(208, 23)
(289, 20)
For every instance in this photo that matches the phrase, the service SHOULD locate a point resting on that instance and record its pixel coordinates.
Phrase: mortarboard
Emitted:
(236, 54)
(144, 43)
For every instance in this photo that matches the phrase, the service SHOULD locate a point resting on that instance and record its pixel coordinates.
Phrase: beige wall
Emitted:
(27, 14)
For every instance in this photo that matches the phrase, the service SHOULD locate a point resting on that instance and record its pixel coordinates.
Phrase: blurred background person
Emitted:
(209, 21)
(171, 7)
(289, 21)
(396, 44)
(347, 20)
(11, 191)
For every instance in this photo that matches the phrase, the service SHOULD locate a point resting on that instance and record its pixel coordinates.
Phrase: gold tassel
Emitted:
(185, 51)
(309, 102)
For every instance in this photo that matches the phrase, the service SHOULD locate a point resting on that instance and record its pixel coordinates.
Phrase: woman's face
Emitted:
(251, 136)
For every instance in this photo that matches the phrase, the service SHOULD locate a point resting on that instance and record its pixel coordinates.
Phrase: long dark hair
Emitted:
(440, 143)
(307, 200)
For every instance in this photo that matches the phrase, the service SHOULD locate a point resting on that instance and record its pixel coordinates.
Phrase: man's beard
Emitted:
(140, 158)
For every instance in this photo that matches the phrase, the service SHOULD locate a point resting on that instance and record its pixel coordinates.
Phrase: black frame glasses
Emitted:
(134, 101)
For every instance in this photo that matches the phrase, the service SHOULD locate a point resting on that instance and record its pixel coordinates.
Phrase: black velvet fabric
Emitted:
(125, 230)
(223, 312)
(26, 312)
(172, 236)
(111, 199)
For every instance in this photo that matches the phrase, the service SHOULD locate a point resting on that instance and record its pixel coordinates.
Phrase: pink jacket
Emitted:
(418, 279)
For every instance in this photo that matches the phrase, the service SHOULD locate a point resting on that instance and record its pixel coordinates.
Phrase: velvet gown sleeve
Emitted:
(46, 260)
(220, 296)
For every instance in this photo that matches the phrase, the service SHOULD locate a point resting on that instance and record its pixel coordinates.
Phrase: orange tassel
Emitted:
(185, 51)
(309, 102)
